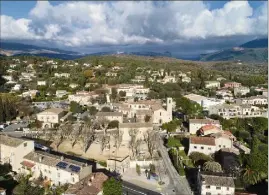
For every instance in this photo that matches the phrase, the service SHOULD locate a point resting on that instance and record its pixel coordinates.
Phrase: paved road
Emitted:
(131, 189)
(180, 184)
(13, 127)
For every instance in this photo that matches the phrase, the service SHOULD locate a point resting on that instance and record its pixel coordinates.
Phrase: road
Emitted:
(180, 184)
(13, 127)
(131, 189)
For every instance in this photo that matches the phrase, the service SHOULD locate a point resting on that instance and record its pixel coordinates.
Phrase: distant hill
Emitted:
(252, 51)
(17, 49)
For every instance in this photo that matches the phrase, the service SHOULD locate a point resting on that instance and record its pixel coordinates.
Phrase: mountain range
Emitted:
(252, 51)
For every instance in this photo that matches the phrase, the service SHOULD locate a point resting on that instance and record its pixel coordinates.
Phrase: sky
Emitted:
(177, 26)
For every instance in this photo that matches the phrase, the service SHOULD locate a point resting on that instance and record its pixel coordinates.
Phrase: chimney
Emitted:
(89, 182)
(40, 158)
(92, 177)
(62, 158)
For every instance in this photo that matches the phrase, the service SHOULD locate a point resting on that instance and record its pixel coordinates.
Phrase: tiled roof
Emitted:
(135, 125)
(222, 181)
(209, 127)
(10, 141)
(204, 121)
(50, 159)
(27, 164)
(109, 114)
(88, 186)
(210, 141)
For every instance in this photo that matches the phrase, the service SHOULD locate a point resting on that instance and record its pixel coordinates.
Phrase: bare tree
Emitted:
(88, 136)
(137, 145)
(102, 123)
(103, 142)
(150, 137)
(132, 142)
(74, 136)
(117, 138)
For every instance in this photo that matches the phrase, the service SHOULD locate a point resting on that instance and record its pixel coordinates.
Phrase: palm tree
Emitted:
(250, 177)
(212, 166)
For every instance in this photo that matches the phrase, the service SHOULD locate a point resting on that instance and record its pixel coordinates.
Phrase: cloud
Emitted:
(80, 24)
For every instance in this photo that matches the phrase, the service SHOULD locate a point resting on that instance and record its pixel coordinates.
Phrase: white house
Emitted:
(196, 124)
(196, 98)
(7, 77)
(212, 84)
(13, 150)
(50, 116)
(253, 100)
(56, 169)
(61, 93)
(30, 93)
(111, 74)
(66, 75)
(241, 90)
(205, 145)
(215, 184)
(41, 83)
(83, 97)
(206, 103)
(111, 116)
(17, 87)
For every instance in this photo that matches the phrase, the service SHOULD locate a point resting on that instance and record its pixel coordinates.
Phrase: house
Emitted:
(253, 100)
(209, 129)
(232, 85)
(213, 184)
(265, 93)
(91, 185)
(206, 103)
(241, 90)
(111, 74)
(55, 169)
(50, 117)
(17, 87)
(118, 164)
(212, 84)
(13, 150)
(61, 93)
(41, 83)
(111, 116)
(225, 94)
(197, 124)
(196, 98)
(205, 145)
(141, 129)
(59, 75)
(7, 77)
(228, 111)
(30, 93)
(83, 97)
(139, 79)
(73, 85)
(221, 78)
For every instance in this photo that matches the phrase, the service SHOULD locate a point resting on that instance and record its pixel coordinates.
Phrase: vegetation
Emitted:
(199, 158)
(138, 170)
(173, 142)
(112, 187)
(212, 166)
(172, 125)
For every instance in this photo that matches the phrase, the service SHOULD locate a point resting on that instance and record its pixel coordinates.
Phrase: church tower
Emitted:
(169, 107)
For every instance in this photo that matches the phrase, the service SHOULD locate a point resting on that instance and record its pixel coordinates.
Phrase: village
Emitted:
(81, 123)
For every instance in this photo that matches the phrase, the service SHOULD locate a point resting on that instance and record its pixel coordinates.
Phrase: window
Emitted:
(207, 187)
(194, 147)
(202, 147)
(223, 146)
(227, 188)
(218, 187)
(160, 114)
(220, 146)
(209, 148)
(73, 179)
(45, 170)
(59, 175)
(208, 193)
(25, 144)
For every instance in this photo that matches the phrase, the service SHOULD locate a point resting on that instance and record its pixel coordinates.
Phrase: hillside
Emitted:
(255, 51)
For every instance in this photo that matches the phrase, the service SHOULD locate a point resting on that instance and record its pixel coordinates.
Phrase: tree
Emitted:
(189, 108)
(24, 187)
(122, 93)
(88, 136)
(250, 176)
(138, 170)
(132, 142)
(113, 124)
(173, 142)
(171, 126)
(88, 73)
(112, 187)
(105, 109)
(151, 139)
(199, 158)
(152, 168)
(75, 107)
(93, 110)
(114, 93)
(212, 166)
(147, 118)
(5, 169)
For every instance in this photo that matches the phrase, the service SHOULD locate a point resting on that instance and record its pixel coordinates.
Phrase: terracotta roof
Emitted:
(209, 127)
(89, 185)
(202, 140)
(27, 164)
(213, 180)
(228, 133)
